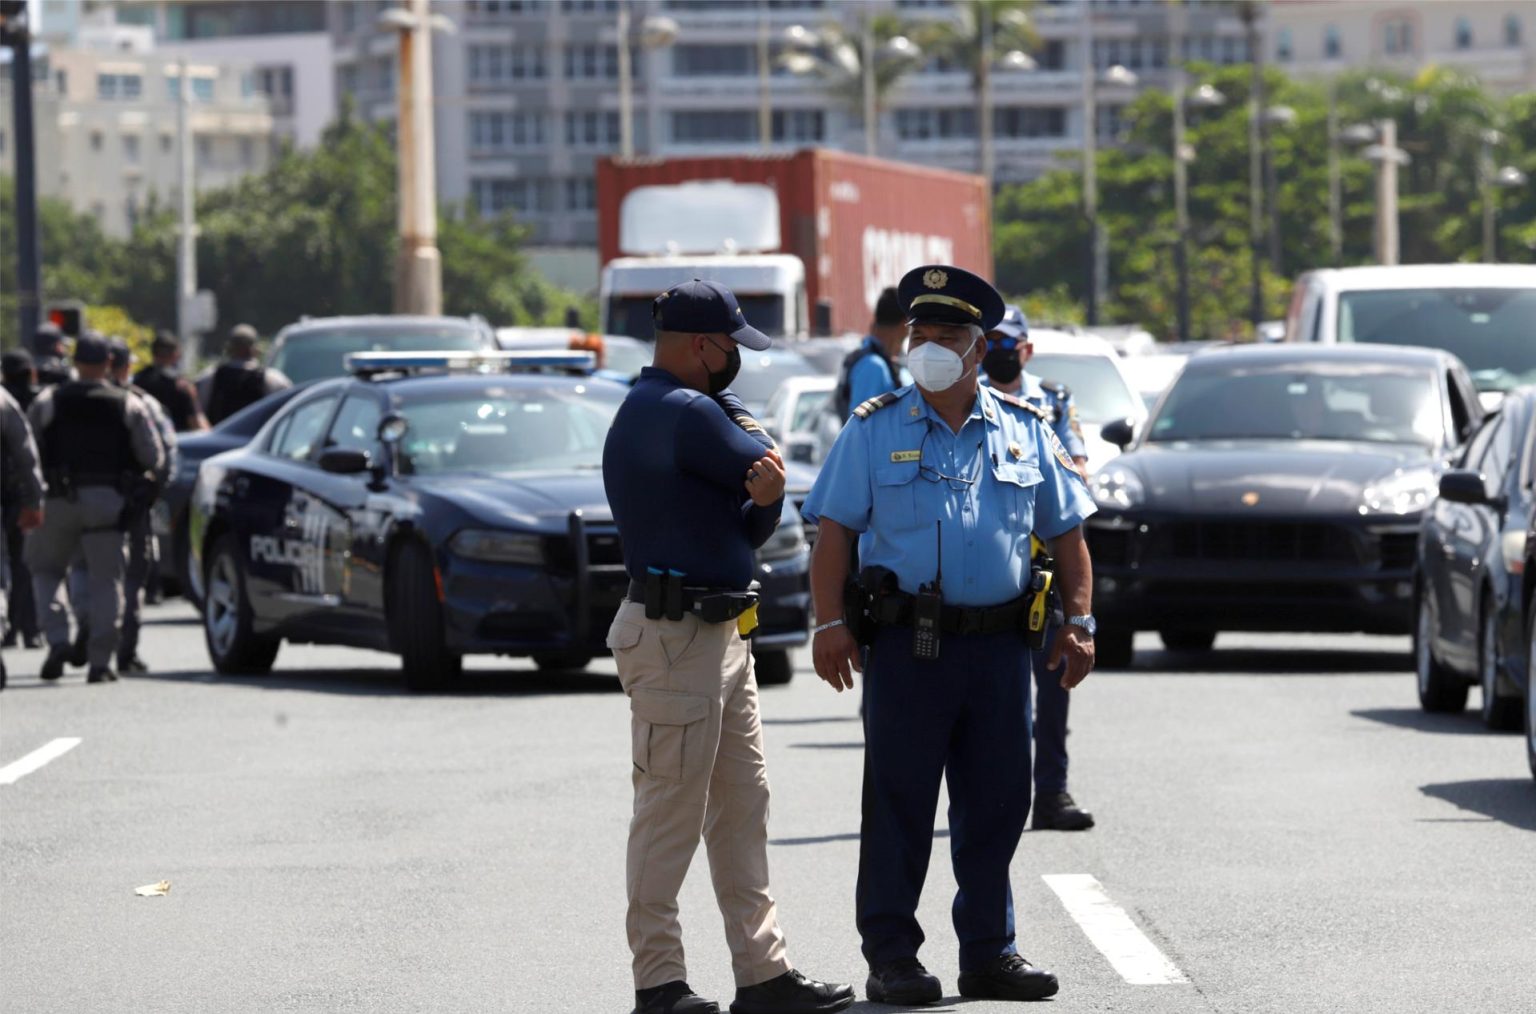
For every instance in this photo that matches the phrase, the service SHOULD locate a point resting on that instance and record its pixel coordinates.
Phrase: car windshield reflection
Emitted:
(508, 431)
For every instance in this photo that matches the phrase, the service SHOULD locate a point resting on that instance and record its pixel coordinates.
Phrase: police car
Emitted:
(438, 505)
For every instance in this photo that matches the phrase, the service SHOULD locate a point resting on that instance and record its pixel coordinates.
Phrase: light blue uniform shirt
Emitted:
(1061, 409)
(870, 377)
(882, 479)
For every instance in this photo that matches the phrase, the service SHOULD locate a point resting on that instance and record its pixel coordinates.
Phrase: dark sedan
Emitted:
(437, 516)
(1276, 488)
(1472, 582)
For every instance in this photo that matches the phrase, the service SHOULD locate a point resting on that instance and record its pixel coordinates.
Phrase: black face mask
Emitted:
(719, 380)
(1002, 365)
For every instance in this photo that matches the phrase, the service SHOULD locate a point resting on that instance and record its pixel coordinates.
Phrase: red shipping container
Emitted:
(857, 223)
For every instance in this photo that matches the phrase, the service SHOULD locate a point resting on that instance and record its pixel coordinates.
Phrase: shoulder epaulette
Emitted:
(875, 404)
(1017, 402)
(1057, 388)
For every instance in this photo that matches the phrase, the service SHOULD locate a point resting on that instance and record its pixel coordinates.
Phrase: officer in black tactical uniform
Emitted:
(21, 491)
(48, 351)
(240, 379)
(18, 376)
(162, 381)
(93, 439)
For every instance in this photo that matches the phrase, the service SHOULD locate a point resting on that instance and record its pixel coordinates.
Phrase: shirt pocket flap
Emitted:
(895, 474)
(622, 636)
(1017, 473)
(666, 707)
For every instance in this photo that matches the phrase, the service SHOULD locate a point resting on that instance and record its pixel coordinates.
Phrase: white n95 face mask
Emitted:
(936, 368)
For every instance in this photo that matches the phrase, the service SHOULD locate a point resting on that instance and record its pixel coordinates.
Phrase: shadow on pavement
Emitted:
(1278, 662)
(1424, 721)
(387, 682)
(827, 746)
(812, 721)
(1510, 801)
(823, 839)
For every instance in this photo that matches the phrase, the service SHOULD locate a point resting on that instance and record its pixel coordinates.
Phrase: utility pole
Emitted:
(418, 267)
(871, 110)
(984, 95)
(1387, 248)
(626, 87)
(1250, 13)
(1180, 172)
(1090, 117)
(16, 33)
(764, 84)
(1335, 179)
(186, 228)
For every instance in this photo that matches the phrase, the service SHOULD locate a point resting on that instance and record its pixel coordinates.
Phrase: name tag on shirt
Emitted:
(900, 456)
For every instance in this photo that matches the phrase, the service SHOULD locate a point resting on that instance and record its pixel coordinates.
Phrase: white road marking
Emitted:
(50, 751)
(1106, 925)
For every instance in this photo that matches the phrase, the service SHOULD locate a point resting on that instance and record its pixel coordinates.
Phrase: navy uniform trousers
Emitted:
(964, 718)
(1050, 715)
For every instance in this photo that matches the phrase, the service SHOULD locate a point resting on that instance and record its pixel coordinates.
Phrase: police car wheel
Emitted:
(562, 661)
(1440, 689)
(1187, 640)
(772, 668)
(236, 650)
(416, 617)
(1112, 649)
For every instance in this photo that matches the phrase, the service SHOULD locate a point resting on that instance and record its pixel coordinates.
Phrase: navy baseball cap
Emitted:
(119, 352)
(944, 294)
(701, 307)
(92, 349)
(1013, 325)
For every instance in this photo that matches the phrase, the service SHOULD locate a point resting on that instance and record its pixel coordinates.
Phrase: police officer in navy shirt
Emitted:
(946, 463)
(696, 486)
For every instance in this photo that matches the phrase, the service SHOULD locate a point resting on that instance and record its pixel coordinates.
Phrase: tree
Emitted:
(836, 55)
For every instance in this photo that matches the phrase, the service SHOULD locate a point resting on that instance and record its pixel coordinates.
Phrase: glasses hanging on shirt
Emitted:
(956, 483)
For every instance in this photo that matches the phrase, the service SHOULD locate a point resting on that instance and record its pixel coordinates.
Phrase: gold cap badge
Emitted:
(936, 279)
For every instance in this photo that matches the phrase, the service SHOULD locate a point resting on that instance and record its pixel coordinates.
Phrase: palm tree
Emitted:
(979, 36)
(836, 54)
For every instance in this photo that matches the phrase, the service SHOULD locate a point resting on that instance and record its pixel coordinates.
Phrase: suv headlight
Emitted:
(498, 547)
(1402, 492)
(1117, 488)
(788, 539)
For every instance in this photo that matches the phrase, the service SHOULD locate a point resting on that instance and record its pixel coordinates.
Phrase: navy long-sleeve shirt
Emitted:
(675, 468)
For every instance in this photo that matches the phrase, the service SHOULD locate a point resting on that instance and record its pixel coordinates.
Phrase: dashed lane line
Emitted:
(1111, 930)
(50, 751)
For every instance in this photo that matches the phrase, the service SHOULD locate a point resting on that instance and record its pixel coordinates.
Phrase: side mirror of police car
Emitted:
(344, 461)
(1465, 486)
(1119, 432)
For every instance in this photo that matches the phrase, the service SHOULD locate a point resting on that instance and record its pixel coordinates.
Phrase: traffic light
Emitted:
(69, 318)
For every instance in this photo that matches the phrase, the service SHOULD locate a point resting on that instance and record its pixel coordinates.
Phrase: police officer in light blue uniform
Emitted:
(1008, 353)
(946, 462)
(874, 367)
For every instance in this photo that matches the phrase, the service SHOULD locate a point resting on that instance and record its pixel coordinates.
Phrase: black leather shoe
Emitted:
(101, 674)
(33, 641)
(1055, 811)
(792, 993)
(1009, 977)
(672, 998)
(132, 664)
(904, 981)
(53, 665)
(80, 651)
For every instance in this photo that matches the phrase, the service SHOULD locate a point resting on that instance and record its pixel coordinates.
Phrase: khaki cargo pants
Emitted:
(698, 769)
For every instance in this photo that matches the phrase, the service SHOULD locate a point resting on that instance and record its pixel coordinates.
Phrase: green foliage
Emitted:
(315, 234)
(1040, 234)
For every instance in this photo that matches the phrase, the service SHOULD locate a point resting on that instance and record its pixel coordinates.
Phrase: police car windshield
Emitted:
(1347, 401)
(509, 429)
(1098, 390)
(313, 354)
(1491, 330)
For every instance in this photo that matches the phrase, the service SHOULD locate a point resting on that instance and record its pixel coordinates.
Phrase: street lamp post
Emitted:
(1493, 180)
(1098, 261)
(1274, 116)
(655, 33)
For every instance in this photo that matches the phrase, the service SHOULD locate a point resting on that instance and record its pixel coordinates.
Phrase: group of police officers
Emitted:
(88, 446)
(949, 516)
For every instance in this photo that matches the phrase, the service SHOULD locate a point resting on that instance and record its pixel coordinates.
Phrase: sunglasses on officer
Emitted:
(1005, 342)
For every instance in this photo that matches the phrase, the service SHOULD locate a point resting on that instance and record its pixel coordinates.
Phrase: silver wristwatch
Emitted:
(1088, 623)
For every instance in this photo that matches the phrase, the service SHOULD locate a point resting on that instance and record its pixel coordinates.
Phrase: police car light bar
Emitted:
(363, 364)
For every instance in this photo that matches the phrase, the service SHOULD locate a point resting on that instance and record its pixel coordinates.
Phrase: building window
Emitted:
(167, 142)
(932, 124)
(247, 153)
(95, 140)
(204, 151)
(593, 62)
(110, 87)
(1333, 45)
(202, 88)
(591, 129)
(589, 6)
(1283, 52)
(712, 126)
(61, 81)
(131, 149)
(799, 126)
(1463, 33)
(714, 61)
(497, 65)
(580, 193)
(1512, 30)
(494, 196)
(2, 142)
(1397, 36)
(495, 133)
(1034, 121)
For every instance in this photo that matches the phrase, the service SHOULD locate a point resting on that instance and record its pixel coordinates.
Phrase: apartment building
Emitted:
(105, 125)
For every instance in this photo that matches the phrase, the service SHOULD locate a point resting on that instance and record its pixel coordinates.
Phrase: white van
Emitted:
(1484, 314)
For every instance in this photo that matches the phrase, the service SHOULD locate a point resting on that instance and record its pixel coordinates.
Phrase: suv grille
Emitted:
(1253, 542)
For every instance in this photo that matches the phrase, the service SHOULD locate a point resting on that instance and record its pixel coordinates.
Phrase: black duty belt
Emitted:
(895, 610)
(712, 605)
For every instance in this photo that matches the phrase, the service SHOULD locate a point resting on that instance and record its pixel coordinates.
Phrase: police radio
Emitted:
(928, 608)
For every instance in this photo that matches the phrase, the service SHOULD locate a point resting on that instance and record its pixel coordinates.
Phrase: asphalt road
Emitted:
(1276, 818)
